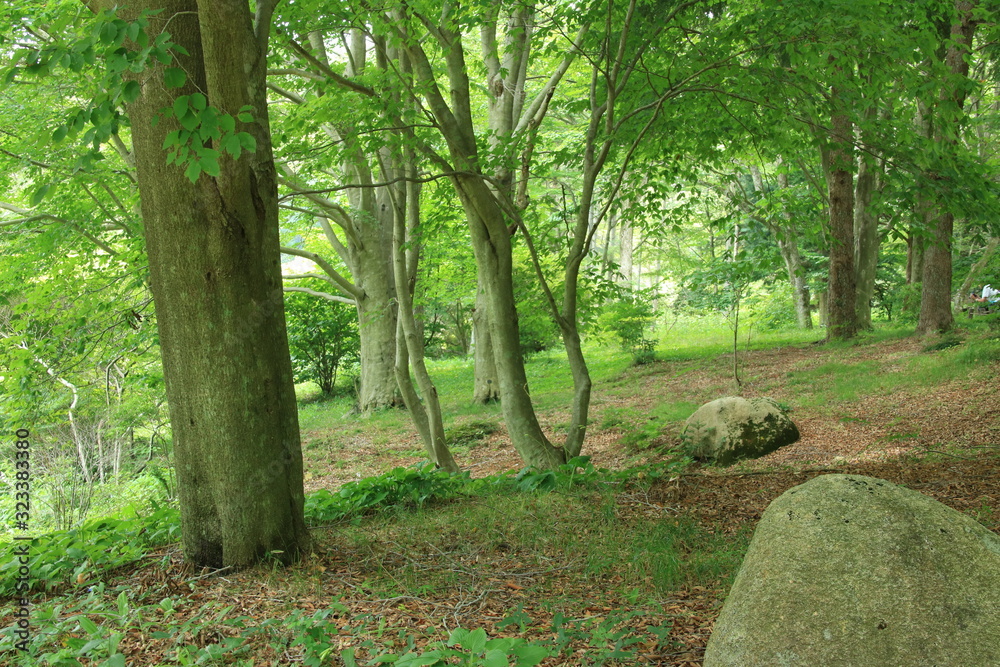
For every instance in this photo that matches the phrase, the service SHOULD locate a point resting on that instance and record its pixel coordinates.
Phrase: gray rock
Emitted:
(852, 570)
(729, 429)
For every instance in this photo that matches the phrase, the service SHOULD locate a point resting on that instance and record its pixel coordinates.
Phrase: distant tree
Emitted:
(322, 337)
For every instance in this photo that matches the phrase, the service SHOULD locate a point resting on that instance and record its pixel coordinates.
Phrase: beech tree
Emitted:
(943, 130)
(212, 241)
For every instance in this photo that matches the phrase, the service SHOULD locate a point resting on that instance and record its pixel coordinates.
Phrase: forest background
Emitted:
(434, 185)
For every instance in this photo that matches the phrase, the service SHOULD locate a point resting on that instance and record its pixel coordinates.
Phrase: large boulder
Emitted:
(852, 570)
(733, 428)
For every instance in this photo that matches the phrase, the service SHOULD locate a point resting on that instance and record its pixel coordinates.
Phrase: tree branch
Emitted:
(321, 67)
(343, 283)
(324, 295)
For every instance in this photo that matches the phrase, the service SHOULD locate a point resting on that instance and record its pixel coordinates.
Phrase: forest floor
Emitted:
(937, 434)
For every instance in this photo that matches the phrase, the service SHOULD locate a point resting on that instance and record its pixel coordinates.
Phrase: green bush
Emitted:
(322, 338)
(628, 320)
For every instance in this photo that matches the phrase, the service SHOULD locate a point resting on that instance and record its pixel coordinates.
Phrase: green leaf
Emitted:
(198, 101)
(174, 77)
(89, 626)
(122, 605)
(172, 139)
(117, 660)
(529, 655)
(189, 121)
(210, 166)
(181, 106)
(60, 133)
(193, 171)
(496, 658)
(131, 91)
(39, 194)
(475, 641)
(247, 141)
(231, 144)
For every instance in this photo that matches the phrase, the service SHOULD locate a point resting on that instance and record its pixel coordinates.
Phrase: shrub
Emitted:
(322, 337)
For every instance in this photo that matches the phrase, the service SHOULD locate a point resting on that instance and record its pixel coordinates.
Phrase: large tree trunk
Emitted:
(491, 245)
(935, 295)
(372, 273)
(216, 280)
(842, 321)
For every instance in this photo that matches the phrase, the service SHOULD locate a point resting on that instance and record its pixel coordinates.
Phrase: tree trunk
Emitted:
(625, 244)
(494, 262)
(376, 327)
(216, 280)
(788, 245)
(915, 256)
(935, 295)
(410, 342)
(486, 389)
(842, 318)
(866, 241)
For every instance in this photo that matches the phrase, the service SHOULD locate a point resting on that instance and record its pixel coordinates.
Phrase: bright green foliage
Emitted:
(81, 554)
(108, 54)
(117, 49)
(322, 338)
(630, 320)
(471, 648)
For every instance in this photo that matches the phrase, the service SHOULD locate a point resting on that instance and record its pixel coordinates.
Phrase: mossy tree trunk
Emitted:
(216, 281)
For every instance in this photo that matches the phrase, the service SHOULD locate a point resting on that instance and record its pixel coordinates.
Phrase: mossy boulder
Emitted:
(852, 570)
(733, 428)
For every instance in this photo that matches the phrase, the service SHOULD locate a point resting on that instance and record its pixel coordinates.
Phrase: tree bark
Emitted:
(216, 280)
(866, 241)
(788, 245)
(625, 238)
(842, 318)
(410, 342)
(486, 389)
(935, 296)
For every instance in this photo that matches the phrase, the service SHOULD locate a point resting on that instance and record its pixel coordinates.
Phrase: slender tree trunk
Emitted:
(494, 262)
(625, 244)
(788, 245)
(486, 389)
(216, 281)
(410, 351)
(866, 241)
